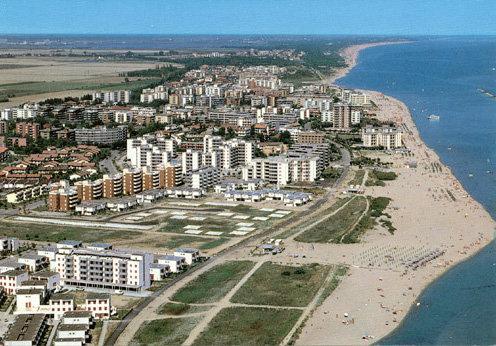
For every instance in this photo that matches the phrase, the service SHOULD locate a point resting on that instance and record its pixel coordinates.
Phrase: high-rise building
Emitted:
(132, 181)
(341, 118)
(112, 185)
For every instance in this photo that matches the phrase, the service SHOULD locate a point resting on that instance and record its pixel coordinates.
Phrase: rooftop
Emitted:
(25, 328)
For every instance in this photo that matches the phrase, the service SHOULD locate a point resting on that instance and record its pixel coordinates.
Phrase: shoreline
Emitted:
(378, 300)
(351, 54)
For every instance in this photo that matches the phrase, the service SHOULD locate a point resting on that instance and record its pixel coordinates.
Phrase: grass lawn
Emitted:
(358, 178)
(214, 284)
(177, 309)
(31, 88)
(334, 228)
(54, 233)
(274, 284)
(171, 242)
(249, 326)
(338, 204)
(169, 331)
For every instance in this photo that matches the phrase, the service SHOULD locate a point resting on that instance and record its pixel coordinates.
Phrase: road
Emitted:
(107, 165)
(281, 227)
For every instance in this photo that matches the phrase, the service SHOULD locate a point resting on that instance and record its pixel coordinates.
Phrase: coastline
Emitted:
(350, 55)
(424, 213)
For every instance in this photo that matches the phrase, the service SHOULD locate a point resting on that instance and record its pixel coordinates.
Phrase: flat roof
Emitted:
(96, 295)
(77, 313)
(29, 291)
(70, 327)
(25, 328)
(187, 250)
(14, 272)
(171, 258)
(44, 274)
(70, 242)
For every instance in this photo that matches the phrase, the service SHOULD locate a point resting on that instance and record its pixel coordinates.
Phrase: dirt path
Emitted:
(223, 303)
(313, 224)
(309, 309)
(352, 227)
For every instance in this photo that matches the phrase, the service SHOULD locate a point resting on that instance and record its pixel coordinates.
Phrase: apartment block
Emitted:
(63, 199)
(112, 185)
(150, 151)
(89, 190)
(132, 181)
(274, 170)
(191, 160)
(341, 118)
(117, 96)
(204, 177)
(151, 179)
(170, 175)
(109, 269)
(28, 130)
(158, 93)
(101, 135)
(386, 137)
(310, 137)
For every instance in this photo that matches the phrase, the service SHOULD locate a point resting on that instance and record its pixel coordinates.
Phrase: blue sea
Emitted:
(442, 76)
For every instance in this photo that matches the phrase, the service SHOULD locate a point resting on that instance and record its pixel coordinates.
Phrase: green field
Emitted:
(169, 331)
(32, 88)
(274, 284)
(249, 326)
(172, 241)
(358, 178)
(214, 284)
(335, 228)
(177, 309)
(338, 204)
(54, 233)
(377, 178)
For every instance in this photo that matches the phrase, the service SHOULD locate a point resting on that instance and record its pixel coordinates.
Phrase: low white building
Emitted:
(9, 244)
(190, 255)
(12, 280)
(175, 263)
(159, 271)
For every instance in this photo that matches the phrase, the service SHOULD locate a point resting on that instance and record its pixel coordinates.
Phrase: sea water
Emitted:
(442, 76)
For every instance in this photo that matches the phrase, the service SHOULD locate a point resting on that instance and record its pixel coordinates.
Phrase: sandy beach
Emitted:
(430, 209)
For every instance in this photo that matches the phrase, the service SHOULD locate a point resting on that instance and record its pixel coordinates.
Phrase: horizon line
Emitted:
(247, 34)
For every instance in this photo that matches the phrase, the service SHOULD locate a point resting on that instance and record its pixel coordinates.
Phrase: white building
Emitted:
(354, 98)
(123, 116)
(108, 269)
(123, 96)
(175, 263)
(150, 151)
(326, 116)
(9, 244)
(190, 160)
(385, 136)
(304, 169)
(356, 117)
(274, 170)
(158, 93)
(204, 177)
(11, 280)
(27, 111)
(159, 271)
(190, 255)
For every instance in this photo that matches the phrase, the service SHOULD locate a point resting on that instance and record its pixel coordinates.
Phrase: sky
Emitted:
(373, 17)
